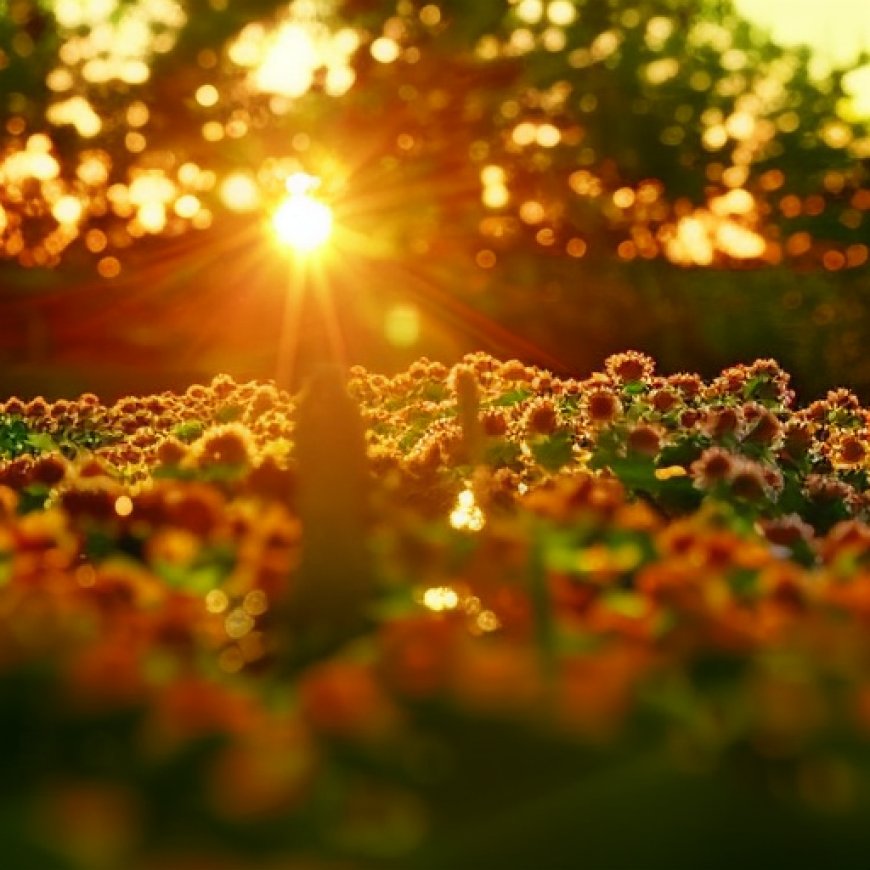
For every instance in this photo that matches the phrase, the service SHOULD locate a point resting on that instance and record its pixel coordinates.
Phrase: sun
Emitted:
(302, 222)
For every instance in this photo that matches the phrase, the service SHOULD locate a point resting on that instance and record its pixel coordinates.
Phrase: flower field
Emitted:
(467, 617)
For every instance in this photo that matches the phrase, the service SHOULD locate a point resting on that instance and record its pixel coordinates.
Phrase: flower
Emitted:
(629, 366)
(601, 406)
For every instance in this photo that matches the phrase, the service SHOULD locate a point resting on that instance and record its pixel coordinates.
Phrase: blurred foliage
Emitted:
(587, 175)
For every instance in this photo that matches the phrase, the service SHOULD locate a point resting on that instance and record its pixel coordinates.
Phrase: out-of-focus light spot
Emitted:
(737, 201)
(385, 50)
(561, 12)
(286, 60)
(604, 45)
(232, 659)
(798, 244)
(576, 247)
(202, 220)
(833, 261)
(532, 212)
(302, 222)
(237, 127)
(732, 60)
(238, 623)
(554, 39)
(239, 192)
(67, 210)
(738, 241)
(430, 15)
(624, 197)
(626, 250)
(492, 174)
(189, 174)
(836, 134)
(402, 325)
(151, 186)
(487, 621)
(524, 133)
(207, 95)
(548, 135)
(138, 114)
(59, 79)
(692, 243)
(658, 31)
(135, 142)
(96, 241)
(93, 169)
(212, 131)
(486, 258)
(135, 72)
(109, 267)
(216, 601)
(152, 217)
(466, 514)
(256, 602)
(530, 11)
(735, 176)
(187, 206)
(33, 162)
(439, 598)
(339, 80)
(495, 196)
(856, 255)
(76, 13)
(123, 506)
(86, 575)
(790, 206)
(487, 48)
(661, 70)
(740, 125)
(584, 183)
(522, 40)
(78, 113)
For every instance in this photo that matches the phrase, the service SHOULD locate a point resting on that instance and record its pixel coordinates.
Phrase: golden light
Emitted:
(239, 192)
(67, 210)
(302, 222)
(466, 514)
(440, 598)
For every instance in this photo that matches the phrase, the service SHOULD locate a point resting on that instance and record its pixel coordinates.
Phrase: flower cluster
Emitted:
(578, 567)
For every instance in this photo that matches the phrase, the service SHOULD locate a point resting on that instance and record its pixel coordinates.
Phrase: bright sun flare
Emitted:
(302, 222)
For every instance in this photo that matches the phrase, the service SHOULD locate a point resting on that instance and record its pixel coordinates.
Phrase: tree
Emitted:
(485, 159)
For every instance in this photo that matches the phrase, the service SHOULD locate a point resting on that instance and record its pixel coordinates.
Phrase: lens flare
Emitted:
(302, 222)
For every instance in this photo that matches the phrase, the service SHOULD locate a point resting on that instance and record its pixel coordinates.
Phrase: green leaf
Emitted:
(512, 397)
(42, 442)
(188, 431)
(554, 451)
(33, 498)
(634, 388)
(502, 453)
(13, 437)
(683, 451)
(191, 579)
(228, 413)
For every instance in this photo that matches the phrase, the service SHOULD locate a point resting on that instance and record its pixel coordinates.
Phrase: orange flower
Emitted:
(629, 366)
(601, 406)
(265, 774)
(343, 699)
(418, 653)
